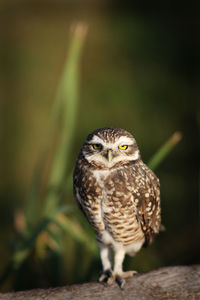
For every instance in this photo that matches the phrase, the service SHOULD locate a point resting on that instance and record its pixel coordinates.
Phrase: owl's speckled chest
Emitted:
(108, 199)
(114, 187)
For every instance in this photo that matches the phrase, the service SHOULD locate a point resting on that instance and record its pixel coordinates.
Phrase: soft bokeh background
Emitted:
(139, 71)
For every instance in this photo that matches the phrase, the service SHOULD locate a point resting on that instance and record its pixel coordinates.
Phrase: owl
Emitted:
(120, 197)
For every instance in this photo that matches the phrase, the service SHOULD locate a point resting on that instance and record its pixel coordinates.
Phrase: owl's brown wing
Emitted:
(88, 196)
(148, 206)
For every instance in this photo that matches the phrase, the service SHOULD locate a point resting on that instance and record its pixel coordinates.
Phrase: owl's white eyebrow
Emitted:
(96, 140)
(121, 140)
(124, 140)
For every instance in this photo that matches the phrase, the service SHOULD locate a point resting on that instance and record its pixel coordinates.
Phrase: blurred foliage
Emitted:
(135, 74)
(46, 232)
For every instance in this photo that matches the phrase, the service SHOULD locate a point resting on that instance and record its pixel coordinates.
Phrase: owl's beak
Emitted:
(109, 155)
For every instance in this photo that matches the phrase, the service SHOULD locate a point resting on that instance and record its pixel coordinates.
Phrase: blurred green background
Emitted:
(135, 66)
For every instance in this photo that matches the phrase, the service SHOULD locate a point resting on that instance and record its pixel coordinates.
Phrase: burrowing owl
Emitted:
(119, 195)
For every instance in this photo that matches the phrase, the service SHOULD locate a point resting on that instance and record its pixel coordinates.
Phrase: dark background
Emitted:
(139, 71)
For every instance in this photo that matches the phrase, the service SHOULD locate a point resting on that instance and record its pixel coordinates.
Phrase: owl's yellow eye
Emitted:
(123, 147)
(97, 146)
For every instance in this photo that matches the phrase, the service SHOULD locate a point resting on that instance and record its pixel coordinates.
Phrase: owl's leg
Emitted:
(107, 274)
(118, 260)
(118, 269)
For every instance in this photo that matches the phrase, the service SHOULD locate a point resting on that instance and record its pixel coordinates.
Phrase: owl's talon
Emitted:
(120, 278)
(128, 274)
(120, 281)
(107, 276)
(110, 280)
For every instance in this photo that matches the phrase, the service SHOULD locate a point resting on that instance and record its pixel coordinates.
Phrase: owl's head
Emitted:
(107, 147)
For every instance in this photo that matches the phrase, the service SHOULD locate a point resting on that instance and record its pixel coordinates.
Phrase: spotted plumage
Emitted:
(119, 195)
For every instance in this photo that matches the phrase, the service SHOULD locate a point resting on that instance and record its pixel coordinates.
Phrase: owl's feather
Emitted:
(120, 196)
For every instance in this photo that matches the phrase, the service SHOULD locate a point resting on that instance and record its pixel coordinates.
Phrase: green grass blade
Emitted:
(162, 153)
(75, 230)
(32, 202)
(67, 99)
